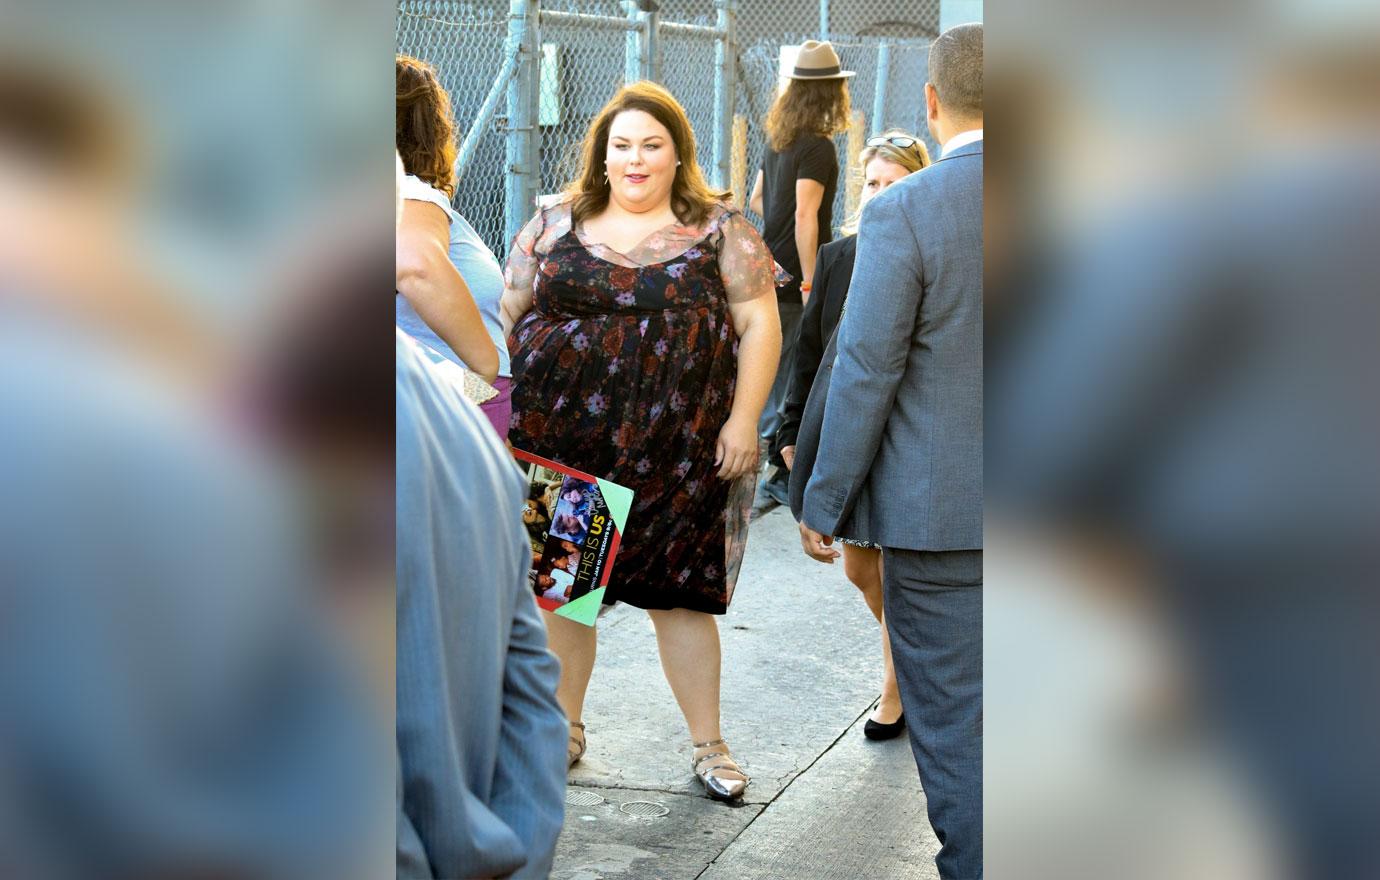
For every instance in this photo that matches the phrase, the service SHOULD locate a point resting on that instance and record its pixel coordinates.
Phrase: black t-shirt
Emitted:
(811, 157)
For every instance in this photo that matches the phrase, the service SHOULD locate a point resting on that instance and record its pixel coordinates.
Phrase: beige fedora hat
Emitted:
(818, 60)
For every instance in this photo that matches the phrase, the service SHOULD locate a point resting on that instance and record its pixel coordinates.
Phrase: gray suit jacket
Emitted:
(480, 737)
(900, 455)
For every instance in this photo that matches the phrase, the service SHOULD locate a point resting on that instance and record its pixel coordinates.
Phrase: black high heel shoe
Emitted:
(875, 730)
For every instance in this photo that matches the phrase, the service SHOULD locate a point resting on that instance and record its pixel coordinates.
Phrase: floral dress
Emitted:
(624, 368)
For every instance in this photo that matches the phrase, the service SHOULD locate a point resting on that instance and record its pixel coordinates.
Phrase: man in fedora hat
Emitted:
(794, 193)
(816, 59)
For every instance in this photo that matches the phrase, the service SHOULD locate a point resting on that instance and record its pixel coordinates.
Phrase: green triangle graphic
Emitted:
(584, 609)
(619, 499)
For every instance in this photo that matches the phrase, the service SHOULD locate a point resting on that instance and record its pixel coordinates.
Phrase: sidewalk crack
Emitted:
(762, 812)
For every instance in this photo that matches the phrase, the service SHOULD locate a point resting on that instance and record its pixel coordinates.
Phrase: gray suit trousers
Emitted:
(933, 603)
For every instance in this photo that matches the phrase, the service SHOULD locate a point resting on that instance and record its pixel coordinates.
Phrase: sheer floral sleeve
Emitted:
(745, 263)
(532, 243)
(520, 273)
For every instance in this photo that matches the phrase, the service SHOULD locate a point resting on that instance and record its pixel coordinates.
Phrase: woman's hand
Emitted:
(736, 450)
(788, 456)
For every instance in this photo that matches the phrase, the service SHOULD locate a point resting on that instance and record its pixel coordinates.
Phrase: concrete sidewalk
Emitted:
(801, 671)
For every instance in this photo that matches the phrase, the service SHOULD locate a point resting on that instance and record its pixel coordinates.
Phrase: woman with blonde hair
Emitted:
(886, 159)
(794, 193)
(644, 341)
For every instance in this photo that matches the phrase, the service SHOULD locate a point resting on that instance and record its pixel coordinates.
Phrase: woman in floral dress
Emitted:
(644, 340)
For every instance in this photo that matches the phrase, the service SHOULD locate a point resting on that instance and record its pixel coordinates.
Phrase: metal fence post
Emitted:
(725, 97)
(879, 95)
(523, 154)
(485, 116)
(632, 56)
(649, 46)
(824, 19)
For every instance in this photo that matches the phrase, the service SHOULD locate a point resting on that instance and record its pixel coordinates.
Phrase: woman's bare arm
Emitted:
(426, 276)
(759, 349)
(512, 307)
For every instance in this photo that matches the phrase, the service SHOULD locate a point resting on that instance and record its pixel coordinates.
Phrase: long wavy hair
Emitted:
(912, 158)
(691, 196)
(425, 129)
(807, 106)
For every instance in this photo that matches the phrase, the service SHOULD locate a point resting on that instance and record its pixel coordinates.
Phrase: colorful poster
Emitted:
(574, 524)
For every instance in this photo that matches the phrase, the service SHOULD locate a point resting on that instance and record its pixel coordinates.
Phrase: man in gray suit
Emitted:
(900, 454)
(480, 737)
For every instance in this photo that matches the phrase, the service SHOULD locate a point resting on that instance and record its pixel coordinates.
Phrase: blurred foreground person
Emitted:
(900, 455)
(72, 167)
(172, 703)
(481, 759)
(1192, 407)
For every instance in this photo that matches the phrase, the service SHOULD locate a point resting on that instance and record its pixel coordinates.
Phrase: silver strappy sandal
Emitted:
(717, 787)
(575, 750)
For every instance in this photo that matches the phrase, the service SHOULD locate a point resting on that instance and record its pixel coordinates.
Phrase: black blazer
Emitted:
(833, 273)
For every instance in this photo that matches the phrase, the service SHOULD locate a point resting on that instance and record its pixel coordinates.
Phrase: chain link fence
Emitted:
(687, 69)
(465, 43)
(581, 69)
(579, 52)
(795, 21)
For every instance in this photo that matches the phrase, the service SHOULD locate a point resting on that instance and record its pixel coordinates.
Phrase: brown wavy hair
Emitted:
(425, 129)
(808, 106)
(691, 196)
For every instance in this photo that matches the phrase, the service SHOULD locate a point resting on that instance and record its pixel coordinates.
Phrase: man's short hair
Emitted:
(956, 69)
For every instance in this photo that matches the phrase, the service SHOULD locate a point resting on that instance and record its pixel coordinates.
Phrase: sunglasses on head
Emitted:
(896, 141)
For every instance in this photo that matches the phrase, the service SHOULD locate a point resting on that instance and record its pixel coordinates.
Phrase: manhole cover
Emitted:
(583, 798)
(644, 809)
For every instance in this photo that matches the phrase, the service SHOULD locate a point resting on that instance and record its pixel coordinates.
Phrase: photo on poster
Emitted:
(574, 524)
